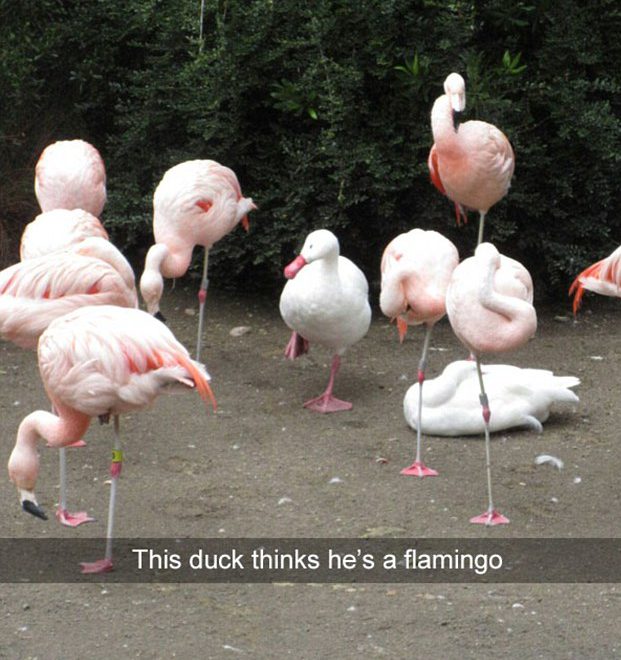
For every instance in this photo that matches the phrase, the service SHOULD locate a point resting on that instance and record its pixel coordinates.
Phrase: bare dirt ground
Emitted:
(264, 467)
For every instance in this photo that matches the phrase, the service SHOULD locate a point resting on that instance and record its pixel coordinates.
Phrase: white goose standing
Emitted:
(326, 300)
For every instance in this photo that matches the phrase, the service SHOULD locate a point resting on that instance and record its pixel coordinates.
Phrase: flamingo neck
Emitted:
(442, 127)
(508, 306)
(392, 299)
(57, 430)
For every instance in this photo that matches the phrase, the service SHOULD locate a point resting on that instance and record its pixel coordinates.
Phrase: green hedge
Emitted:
(323, 112)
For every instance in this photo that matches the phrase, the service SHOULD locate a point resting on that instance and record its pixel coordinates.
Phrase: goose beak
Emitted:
(295, 267)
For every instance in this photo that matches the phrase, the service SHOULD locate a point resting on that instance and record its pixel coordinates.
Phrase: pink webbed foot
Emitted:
(72, 519)
(297, 346)
(326, 403)
(490, 518)
(419, 469)
(77, 443)
(99, 566)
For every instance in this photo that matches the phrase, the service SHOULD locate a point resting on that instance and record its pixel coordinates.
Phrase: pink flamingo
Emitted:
(70, 174)
(57, 230)
(35, 292)
(80, 232)
(197, 202)
(471, 163)
(76, 231)
(96, 362)
(416, 270)
(603, 277)
(489, 305)
(324, 301)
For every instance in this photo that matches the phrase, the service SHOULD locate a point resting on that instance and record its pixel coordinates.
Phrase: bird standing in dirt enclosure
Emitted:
(197, 202)
(36, 291)
(489, 306)
(97, 362)
(416, 269)
(326, 301)
(471, 163)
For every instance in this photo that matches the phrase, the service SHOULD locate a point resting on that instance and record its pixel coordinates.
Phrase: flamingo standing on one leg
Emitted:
(416, 270)
(35, 292)
(99, 361)
(471, 163)
(324, 301)
(490, 310)
(603, 277)
(70, 174)
(197, 202)
(78, 231)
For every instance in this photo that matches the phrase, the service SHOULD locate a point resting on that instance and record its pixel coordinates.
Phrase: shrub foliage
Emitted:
(322, 109)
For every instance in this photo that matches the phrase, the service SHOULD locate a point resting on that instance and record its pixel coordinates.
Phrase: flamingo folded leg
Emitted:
(326, 403)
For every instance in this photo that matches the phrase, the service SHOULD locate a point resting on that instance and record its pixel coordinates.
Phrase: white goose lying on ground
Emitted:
(518, 397)
(326, 300)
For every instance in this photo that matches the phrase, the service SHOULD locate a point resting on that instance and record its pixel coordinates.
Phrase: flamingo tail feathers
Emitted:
(577, 289)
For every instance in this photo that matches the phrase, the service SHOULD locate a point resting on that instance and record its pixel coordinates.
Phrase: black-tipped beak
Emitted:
(34, 509)
(457, 115)
(160, 317)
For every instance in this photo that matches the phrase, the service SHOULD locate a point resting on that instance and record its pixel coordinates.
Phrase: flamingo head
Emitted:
(455, 89)
(245, 205)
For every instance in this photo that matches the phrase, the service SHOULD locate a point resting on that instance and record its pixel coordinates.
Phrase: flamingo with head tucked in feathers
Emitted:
(57, 230)
(416, 269)
(489, 306)
(197, 202)
(471, 163)
(94, 362)
(36, 291)
(70, 174)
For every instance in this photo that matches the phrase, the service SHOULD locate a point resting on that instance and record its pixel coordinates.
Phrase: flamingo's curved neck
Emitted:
(508, 306)
(57, 430)
(443, 129)
(392, 298)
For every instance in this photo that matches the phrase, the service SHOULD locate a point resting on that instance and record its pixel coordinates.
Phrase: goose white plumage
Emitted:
(519, 398)
(326, 300)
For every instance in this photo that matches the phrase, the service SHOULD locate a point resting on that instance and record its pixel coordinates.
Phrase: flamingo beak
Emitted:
(245, 223)
(295, 267)
(29, 504)
(402, 328)
(457, 115)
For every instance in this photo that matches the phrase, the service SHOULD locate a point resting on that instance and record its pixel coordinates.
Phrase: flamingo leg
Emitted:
(481, 226)
(418, 468)
(490, 517)
(202, 297)
(63, 516)
(105, 565)
(327, 403)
